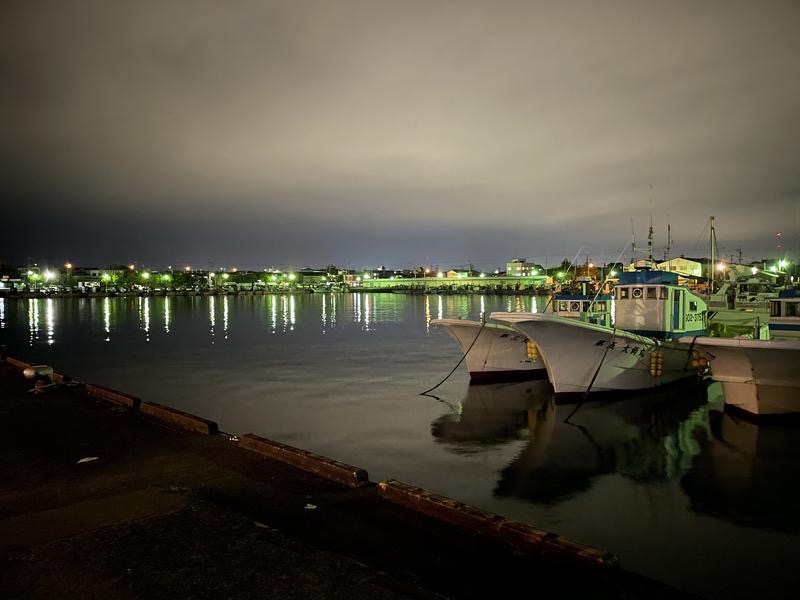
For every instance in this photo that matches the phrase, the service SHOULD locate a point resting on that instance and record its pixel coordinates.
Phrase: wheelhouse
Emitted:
(652, 303)
(784, 313)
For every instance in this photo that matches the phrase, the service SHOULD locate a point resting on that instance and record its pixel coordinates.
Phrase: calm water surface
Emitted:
(674, 486)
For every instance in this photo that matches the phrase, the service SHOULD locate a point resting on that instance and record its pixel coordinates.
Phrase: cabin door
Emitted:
(677, 310)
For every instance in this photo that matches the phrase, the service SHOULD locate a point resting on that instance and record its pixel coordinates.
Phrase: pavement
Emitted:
(97, 501)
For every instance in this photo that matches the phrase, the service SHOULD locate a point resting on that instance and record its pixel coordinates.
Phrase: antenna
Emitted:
(669, 243)
(650, 240)
(633, 242)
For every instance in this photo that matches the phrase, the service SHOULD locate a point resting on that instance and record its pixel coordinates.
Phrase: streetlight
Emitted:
(67, 265)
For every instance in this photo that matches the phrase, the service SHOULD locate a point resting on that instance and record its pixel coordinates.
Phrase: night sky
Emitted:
(400, 133)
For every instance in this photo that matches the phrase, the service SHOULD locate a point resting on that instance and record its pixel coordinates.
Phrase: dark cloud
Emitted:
(392, 132)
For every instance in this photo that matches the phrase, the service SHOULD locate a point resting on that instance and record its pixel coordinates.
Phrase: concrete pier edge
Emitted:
(181, 419)
(103, 393)
(494, 526)
(464, 516)
(308, 461)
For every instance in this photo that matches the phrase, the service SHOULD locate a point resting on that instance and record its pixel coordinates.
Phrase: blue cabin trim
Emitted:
(784, 327)
(648, 278)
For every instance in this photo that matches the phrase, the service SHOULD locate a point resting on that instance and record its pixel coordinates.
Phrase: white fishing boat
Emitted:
(502, 354)
(741, 306)
(638, 353)
(759, 377)
(494, 352)
(784, 313)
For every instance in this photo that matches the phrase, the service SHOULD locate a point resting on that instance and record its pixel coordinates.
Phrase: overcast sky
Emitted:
(301, 133)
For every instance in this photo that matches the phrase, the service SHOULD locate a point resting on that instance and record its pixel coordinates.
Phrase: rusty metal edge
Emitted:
(305, 460)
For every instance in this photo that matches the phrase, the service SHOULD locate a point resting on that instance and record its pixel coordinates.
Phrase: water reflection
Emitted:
(212, 317)
(746, 473)
(427, 313)
(2, 313)
(166, 314)
(649, 438)
(107, 317)
(225, 316)
(50, 321)
(285, 313)
(273, 301)
(33, 321)
(146, 317)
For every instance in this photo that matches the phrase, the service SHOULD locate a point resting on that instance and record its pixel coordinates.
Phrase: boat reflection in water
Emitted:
(647, 438)
(746, 473)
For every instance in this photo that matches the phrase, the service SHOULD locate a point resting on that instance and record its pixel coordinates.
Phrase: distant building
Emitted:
(520, 267)
(452, 273)
(682, 266)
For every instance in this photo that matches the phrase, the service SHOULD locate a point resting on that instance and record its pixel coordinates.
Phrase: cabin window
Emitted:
(652, 293)
(562, 306)
(585, 307)
(624, 293)
(774, 309)
(600, 306)
(792, 309)
(663, 293)
(692, 306)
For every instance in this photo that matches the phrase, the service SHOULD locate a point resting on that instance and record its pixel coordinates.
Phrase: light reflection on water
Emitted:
(666, 481)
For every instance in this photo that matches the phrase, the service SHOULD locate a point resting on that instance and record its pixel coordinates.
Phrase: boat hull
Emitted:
(759, 377)
(498, 354)
(588, 359)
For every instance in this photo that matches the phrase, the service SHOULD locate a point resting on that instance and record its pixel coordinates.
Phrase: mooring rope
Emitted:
(426, 392)
(591, 383)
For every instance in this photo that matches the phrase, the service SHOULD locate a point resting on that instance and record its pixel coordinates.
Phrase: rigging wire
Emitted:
(585, 395)
(427, 392)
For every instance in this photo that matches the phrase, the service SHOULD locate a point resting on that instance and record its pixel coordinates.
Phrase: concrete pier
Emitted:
(100, 498)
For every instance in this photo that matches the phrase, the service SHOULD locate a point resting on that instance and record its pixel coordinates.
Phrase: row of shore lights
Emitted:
(780, 266)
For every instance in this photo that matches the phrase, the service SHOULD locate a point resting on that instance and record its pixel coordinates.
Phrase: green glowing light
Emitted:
(105, 277)
(145, 275)
(292, 276)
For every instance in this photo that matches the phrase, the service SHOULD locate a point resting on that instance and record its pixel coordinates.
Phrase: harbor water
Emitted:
(677, 488)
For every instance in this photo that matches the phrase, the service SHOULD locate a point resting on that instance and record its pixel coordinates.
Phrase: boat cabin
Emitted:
(586, 308)
(784, 315)
(652, 303)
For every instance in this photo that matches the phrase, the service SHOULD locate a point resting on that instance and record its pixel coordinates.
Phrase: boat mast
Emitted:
(667, 255)
(713, 266)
